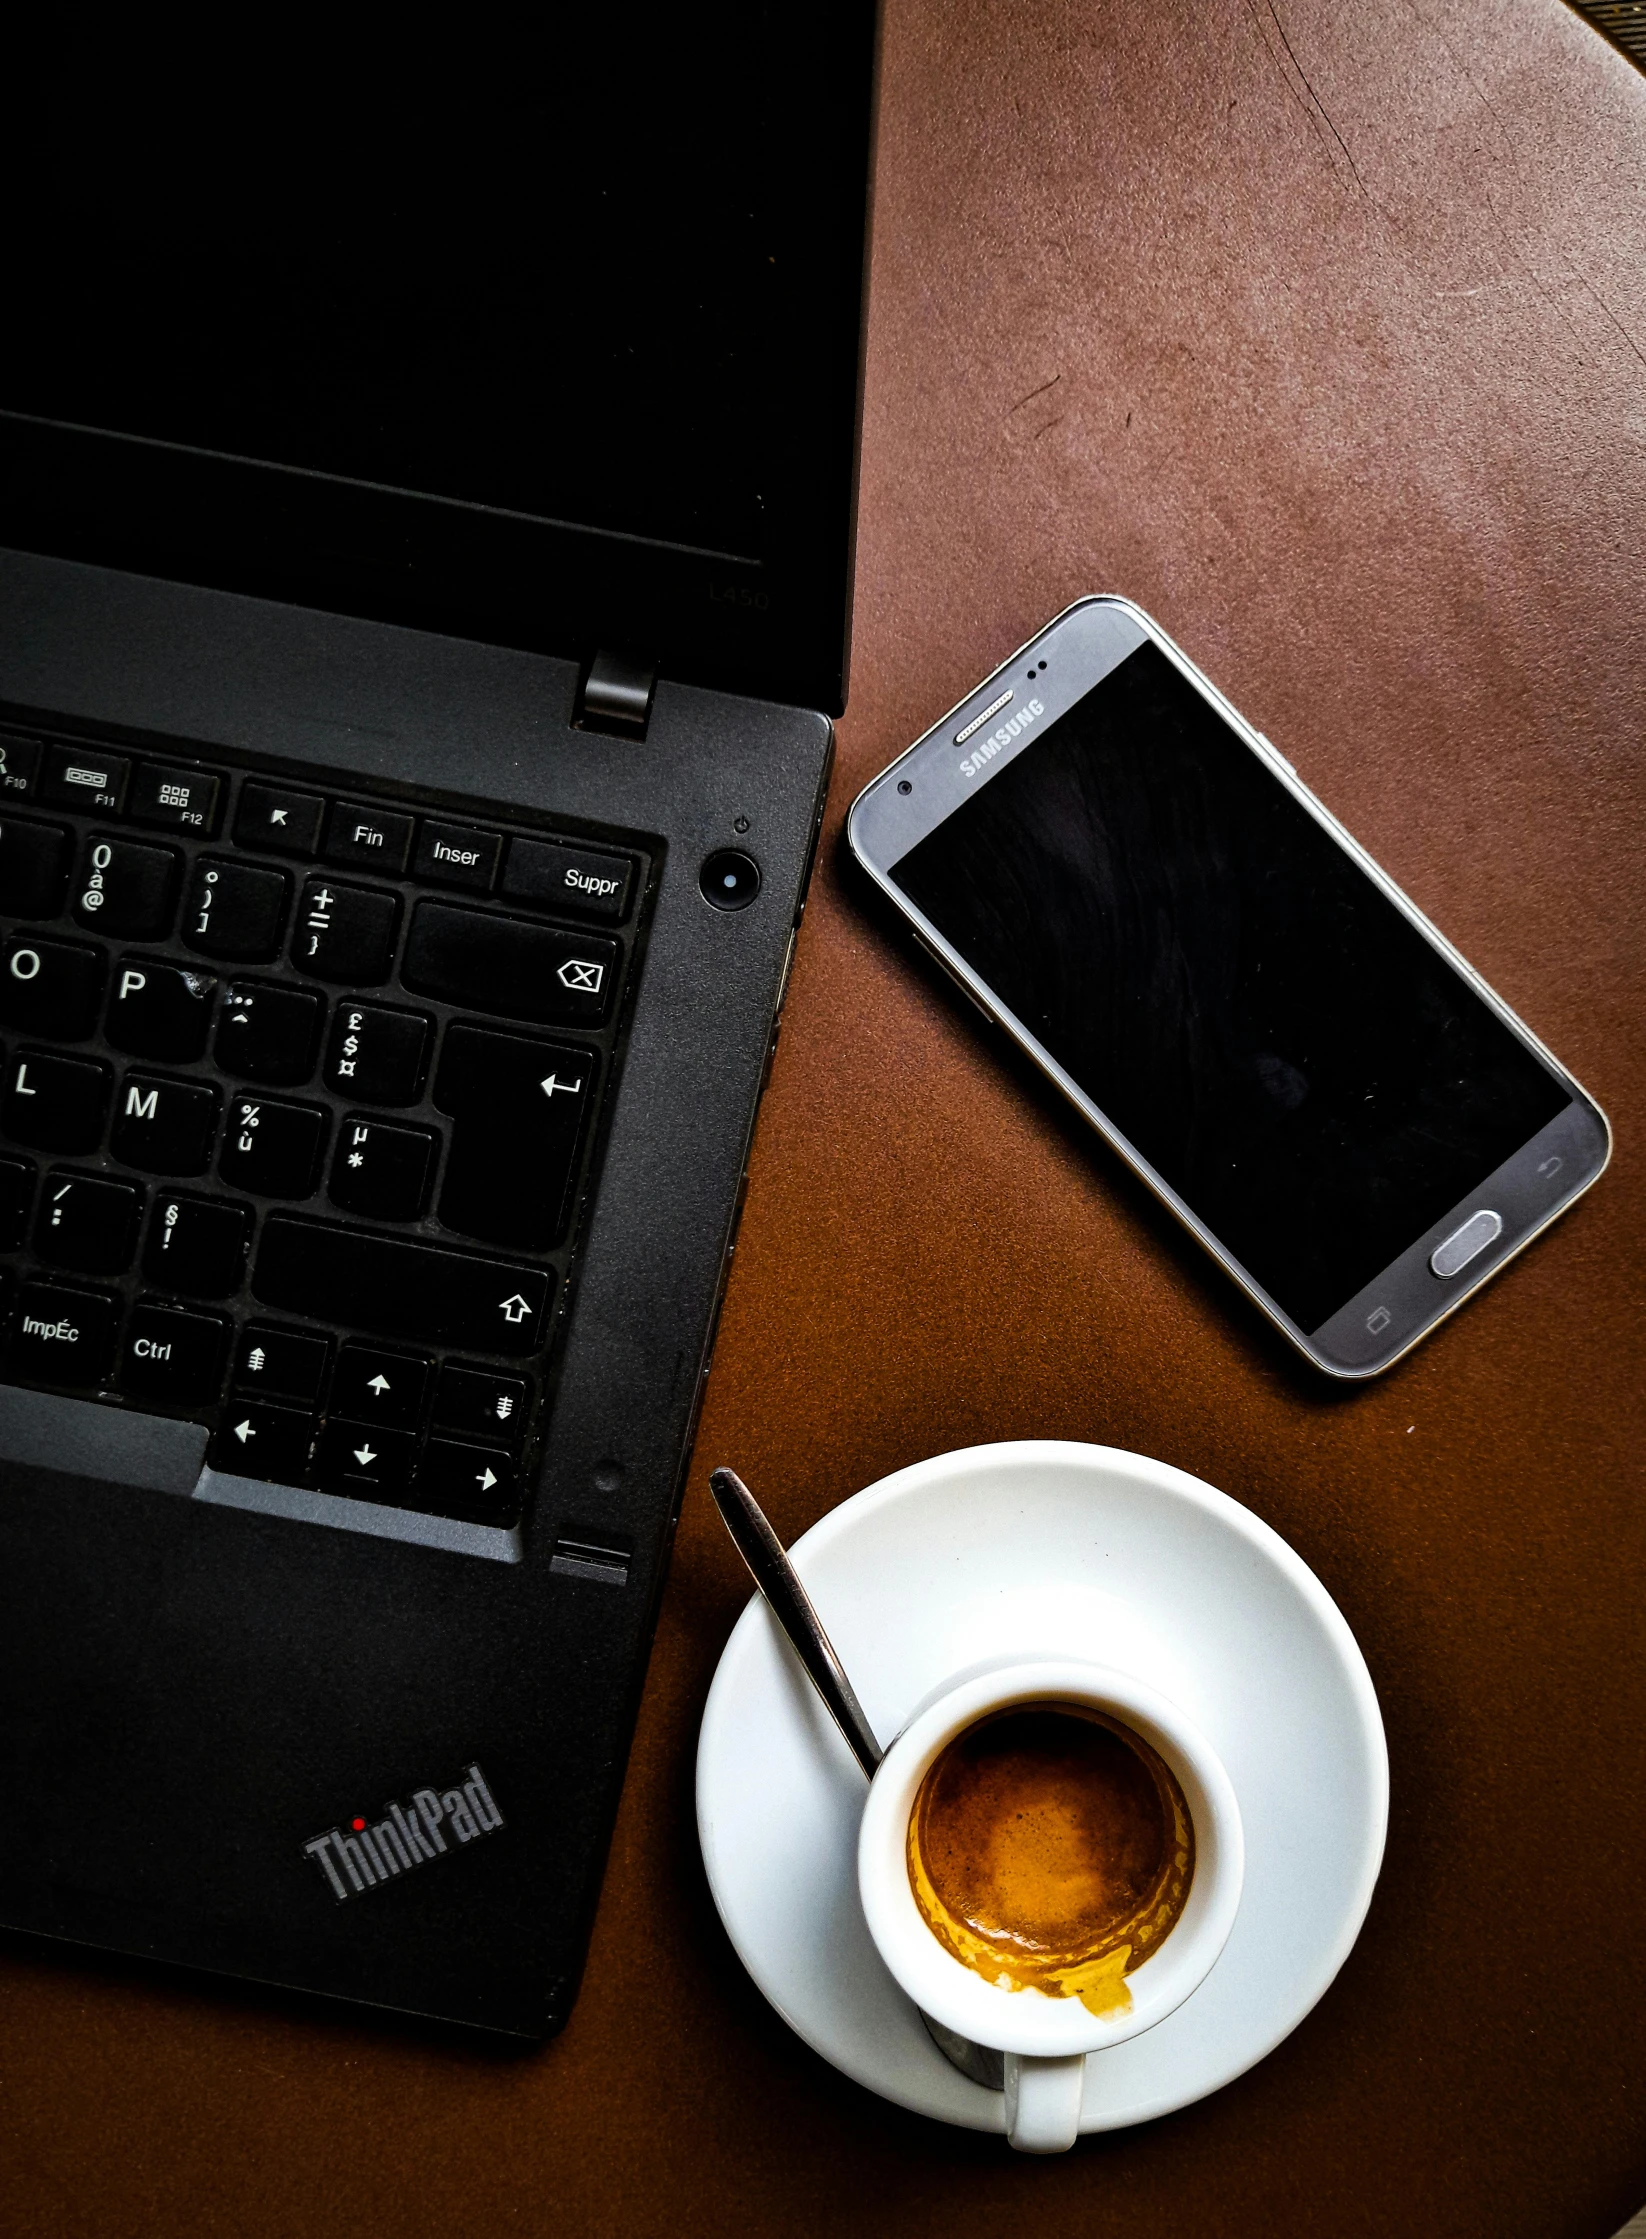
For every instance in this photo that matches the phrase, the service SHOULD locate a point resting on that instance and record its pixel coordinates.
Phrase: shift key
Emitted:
(394, 1288)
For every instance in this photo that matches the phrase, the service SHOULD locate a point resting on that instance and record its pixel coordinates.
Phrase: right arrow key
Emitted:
(474, 1483)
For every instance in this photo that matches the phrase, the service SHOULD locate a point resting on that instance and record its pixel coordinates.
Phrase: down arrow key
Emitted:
(365, 1463)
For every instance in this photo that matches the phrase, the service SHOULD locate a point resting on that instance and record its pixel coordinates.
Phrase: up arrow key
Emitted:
(379, 1384)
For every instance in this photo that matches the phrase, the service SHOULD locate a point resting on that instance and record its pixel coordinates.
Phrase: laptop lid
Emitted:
(541, 336)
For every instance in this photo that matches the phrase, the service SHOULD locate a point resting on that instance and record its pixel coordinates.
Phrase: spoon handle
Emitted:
(791, 1605)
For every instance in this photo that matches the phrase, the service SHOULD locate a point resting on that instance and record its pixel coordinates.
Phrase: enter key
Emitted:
(521, 1106)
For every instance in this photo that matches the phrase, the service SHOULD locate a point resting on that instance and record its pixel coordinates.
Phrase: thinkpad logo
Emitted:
(432, 1822)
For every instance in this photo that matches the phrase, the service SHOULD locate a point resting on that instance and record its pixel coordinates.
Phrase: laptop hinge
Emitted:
(616, 696)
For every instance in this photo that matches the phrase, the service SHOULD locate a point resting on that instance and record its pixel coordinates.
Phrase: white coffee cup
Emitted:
(1046, 2040)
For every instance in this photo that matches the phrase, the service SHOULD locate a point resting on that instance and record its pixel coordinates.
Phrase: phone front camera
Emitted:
(903, 785)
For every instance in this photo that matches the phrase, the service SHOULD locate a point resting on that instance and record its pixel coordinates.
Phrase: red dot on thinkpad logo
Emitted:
(357, 1825)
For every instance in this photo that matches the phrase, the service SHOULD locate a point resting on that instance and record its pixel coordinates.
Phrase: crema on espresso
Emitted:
(1050, 1848)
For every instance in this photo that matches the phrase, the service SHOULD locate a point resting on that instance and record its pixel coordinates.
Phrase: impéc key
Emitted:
(63, 1336)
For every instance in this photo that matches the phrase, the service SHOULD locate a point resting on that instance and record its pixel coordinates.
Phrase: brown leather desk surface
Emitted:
(1320, 331)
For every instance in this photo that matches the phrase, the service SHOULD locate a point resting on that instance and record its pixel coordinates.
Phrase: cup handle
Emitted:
(1043, 2101)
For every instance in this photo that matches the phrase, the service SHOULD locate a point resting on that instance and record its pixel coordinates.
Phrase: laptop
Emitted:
(426, 492)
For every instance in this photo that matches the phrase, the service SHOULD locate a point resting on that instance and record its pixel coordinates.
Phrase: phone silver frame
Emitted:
(1041, 681)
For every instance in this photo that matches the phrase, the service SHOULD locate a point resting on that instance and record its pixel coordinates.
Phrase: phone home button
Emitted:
(1454, 1253)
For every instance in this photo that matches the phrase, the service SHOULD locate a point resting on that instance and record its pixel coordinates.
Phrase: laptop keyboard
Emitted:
(300, 1093)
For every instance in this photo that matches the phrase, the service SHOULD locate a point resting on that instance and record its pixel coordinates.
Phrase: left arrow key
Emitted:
(273, 1443)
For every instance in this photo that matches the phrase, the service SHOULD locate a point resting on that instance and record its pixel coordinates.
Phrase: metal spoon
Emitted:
(792, 1606)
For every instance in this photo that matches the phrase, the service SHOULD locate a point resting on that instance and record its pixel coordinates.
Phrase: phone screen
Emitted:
(1264, 1026)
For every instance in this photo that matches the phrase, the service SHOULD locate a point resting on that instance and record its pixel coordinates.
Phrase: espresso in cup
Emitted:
(1050, 1848)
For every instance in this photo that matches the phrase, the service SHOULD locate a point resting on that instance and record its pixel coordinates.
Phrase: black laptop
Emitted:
(426, 488)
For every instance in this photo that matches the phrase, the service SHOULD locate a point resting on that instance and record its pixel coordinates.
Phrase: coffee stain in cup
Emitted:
(1050, 1848)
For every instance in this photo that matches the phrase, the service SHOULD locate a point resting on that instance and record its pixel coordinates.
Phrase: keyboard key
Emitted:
(269, 1033)
(576, 881)
(285, 1363)
(235, 911)
(160, 1010)
(172, 1355)
(482, 1402)
(127, 887)
(273, 1443)
(345, 933)
(54, 988)
(284, 823)
(378, 1055)
(396, 1288)
(63, 1336)
(359, 835)
(473, 1483)
(365, 1463)
(381, 1388)
(383, 1172)
(57, 1103)
(520, 1105)
(87, 1223)
(273, 1149)
(163, 1126)
(509, 966)
(16, 1196)
(457, 855)
(84, 777)
(34, 866)
(181, 800)
(197, 1245)
(19, 765)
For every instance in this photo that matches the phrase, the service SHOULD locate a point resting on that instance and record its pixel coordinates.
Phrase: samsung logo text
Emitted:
(986, 749)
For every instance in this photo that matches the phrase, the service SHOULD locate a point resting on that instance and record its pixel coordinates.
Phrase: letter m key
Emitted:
(142, 1103)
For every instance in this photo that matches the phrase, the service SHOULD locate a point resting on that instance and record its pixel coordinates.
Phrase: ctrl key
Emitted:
(172, 1355)
(272, 1443)
(63, 1336)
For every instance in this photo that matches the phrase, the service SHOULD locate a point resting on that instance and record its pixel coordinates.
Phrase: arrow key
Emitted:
(474, 1483)
(365, 1463)
(377, 1387)
(273, 1443)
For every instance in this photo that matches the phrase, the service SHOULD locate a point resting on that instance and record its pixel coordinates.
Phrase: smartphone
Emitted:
(1137, 887)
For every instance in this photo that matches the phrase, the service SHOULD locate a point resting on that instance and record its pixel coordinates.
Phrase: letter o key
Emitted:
(25, 964)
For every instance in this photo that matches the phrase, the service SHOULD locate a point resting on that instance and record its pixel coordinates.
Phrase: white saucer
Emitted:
(1047, 1548)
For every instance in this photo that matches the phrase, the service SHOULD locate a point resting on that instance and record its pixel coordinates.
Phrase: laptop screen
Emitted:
(502, 305)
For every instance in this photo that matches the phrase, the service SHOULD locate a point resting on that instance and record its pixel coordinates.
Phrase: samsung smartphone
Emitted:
(1137, 887)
